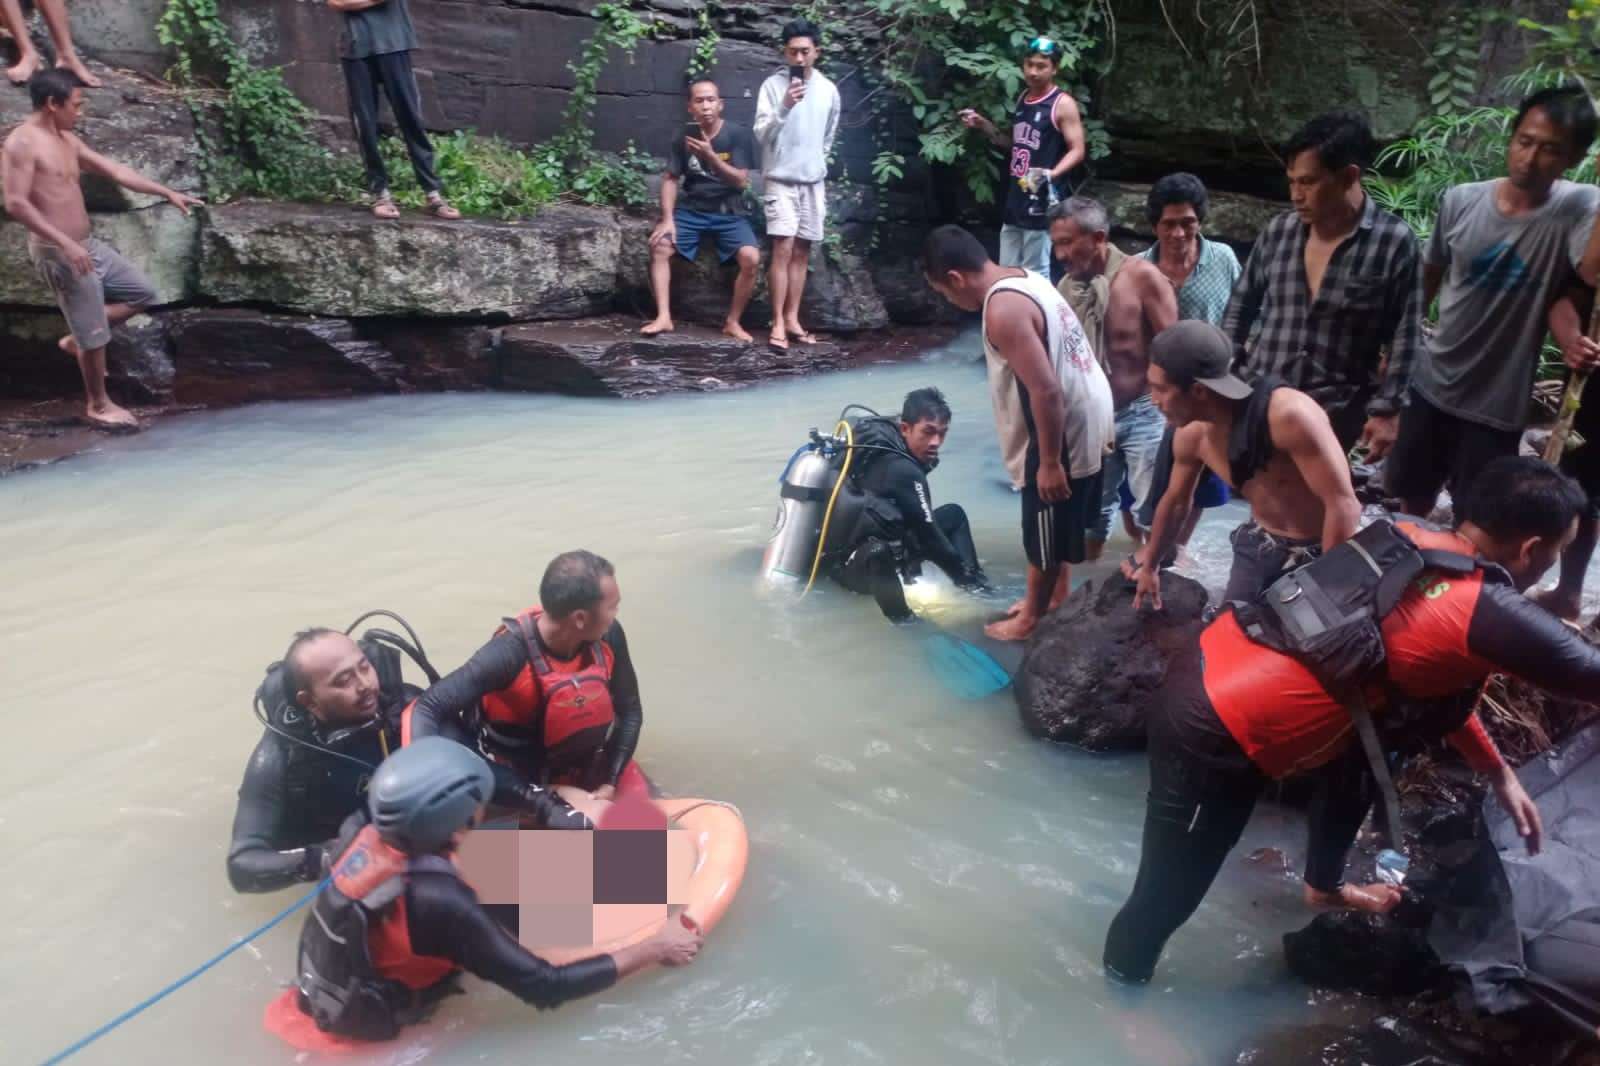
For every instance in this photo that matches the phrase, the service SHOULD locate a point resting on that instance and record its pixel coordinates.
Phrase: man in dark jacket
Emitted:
(886, 525)
(334, 712)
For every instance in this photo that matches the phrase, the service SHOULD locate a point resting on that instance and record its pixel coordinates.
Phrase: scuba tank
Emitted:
(806, 486)
(818, 497)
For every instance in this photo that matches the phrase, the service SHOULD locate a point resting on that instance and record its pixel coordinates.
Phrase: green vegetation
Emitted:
(264, 141)
(1460, 142)
(938, 57)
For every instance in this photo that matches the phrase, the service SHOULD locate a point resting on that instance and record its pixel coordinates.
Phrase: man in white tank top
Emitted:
(1066, 403)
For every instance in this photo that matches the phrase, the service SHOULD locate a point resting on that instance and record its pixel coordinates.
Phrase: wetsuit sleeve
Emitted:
(446, 921)
(1519, 637)
(254, 863)
(913, 499)
(491, 668)
(625, 703)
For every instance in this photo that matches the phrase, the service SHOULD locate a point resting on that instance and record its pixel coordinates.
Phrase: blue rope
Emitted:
(185, 979)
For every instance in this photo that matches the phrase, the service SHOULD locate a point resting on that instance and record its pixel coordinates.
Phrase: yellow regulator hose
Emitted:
(827, 516)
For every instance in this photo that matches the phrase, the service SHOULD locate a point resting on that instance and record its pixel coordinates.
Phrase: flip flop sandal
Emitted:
(442, 209)
(385, 209)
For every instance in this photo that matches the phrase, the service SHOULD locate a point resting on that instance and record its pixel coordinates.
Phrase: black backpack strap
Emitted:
(1356, 706)
(1448, 561)
(522, 625)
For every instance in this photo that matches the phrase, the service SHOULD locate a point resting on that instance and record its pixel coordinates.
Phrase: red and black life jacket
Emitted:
(554, 715)
(357, 973)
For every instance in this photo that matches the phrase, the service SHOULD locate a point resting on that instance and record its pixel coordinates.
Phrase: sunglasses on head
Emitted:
(1044, 46)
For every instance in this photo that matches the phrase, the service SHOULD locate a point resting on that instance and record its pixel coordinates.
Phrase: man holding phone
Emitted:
(711, 160)
(797, 115)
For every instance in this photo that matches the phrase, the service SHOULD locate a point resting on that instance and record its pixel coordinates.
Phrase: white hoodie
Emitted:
(795, 142)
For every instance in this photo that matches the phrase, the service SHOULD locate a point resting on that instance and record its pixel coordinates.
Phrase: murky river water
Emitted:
(926, 883)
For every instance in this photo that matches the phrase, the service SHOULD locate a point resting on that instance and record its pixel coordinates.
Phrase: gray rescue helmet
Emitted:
(426, 791)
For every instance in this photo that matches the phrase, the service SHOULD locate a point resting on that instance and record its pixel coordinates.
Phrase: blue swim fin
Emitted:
(963, 667)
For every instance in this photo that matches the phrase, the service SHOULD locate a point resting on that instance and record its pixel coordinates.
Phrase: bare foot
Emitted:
(660, 325)
(1019, 626)
(1016, 608)
(1557, 603)
(24, 68)
(68, 345)
(1374, 899)
(109, 416)
(74, 64)
(736, 331)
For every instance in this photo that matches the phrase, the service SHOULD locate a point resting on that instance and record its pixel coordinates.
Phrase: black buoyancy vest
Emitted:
(339, 986)
(320, 787)
(1329, 614)
(860, 513)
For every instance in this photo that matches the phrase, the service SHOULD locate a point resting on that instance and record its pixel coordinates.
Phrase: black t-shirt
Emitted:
(702, 190)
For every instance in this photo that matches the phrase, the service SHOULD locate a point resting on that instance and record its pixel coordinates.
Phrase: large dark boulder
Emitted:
(1091, 669)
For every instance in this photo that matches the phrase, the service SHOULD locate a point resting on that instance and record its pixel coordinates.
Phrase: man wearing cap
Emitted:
(1273, 445)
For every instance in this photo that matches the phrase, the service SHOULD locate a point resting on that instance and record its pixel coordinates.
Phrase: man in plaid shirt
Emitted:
(1332, 289)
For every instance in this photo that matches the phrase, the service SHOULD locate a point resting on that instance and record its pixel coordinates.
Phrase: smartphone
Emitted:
(797, 73)
(692, 129)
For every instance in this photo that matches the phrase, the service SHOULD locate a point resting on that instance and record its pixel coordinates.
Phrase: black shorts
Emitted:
(1583, 463)
(1435, 447)
(1056, 533)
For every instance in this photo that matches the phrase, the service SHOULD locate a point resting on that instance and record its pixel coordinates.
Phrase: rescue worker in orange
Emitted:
(1250, 713)
(552, 699)
(388, 937)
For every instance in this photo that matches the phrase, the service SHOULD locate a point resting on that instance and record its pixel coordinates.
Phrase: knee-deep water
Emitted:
(926, 882)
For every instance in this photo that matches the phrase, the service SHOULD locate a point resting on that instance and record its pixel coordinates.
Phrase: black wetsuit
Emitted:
(445, 920)
(293, 800)
(892, 526)
(454, 702)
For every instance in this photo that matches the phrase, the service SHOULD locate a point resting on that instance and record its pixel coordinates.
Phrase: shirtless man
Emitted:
(1029, 331)
(1272, 445)
(28, 61)
(1122, 301)
(95, 286)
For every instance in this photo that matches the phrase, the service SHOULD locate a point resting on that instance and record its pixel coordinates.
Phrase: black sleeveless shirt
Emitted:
(1035, 143)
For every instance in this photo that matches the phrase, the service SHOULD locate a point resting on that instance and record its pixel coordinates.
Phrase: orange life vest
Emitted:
(358, 974)
(557, 714)
(1287, 722)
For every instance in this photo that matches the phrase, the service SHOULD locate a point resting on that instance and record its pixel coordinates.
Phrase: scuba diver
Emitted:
(331, 708)
(885, 520)
(389, 935)
(551, 699)
(1378, 646)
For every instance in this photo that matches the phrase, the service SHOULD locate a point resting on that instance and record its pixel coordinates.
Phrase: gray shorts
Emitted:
(83, 297)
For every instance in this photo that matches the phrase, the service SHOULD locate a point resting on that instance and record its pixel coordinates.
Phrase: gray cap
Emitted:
(1197, 350)
(426, 791)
